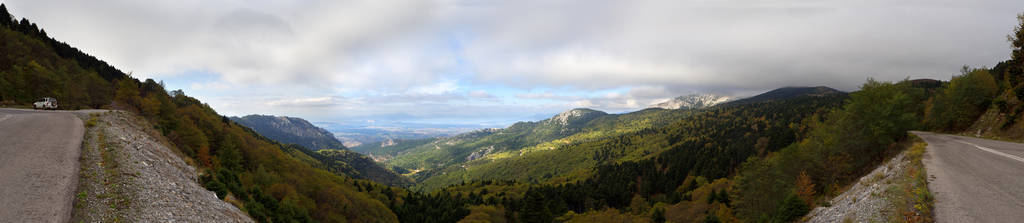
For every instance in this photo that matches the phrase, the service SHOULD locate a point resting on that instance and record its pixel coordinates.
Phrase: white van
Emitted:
(46, 103)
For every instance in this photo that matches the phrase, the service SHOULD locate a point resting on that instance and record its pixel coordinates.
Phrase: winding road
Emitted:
(975, 180)
(39, 152)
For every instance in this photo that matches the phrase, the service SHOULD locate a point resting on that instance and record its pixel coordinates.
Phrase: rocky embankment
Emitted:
(129, 174)
(866, 201)
(896, 191)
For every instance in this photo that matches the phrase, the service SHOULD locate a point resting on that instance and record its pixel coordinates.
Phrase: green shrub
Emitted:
(1000, 103)
(792, 209)
(90, 123)
(217, 187)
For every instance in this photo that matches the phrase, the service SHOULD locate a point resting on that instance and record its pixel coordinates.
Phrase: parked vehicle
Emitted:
(45, 103)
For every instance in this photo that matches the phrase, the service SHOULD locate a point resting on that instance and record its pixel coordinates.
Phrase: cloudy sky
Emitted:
(494, 62)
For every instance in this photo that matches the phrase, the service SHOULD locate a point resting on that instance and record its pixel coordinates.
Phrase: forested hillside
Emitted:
(34, 66)
(320, 148)
(473, 145)
(383, 151)
(788, 92)
(723, 130)
(349, 164)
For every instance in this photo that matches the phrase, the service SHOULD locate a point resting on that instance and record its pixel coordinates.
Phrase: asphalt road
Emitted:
(39, 152)
(975, 180)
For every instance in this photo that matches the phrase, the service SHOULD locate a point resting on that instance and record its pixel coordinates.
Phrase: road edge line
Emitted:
(1017, 158)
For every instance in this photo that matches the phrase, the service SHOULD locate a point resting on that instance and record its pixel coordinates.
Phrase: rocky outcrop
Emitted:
(389, 142)
(575, 116)
(480, 153)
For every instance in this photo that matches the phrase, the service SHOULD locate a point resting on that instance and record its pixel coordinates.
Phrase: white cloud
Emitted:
(396, 45)
(401, 56)
(634, 99)
(325, 44)
(444, 87)
(736, 45)
(547, 95)
(307, 102)
(482, 94)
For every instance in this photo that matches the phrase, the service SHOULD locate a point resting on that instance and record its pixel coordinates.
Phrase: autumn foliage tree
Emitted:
(805, 188)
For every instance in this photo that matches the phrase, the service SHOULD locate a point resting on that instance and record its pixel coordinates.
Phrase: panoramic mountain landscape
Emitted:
(441, 111)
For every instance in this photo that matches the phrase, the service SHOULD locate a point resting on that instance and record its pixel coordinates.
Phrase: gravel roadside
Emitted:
(129, 175)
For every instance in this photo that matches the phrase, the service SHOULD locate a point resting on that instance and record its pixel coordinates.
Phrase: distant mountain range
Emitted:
(481, 154)
(357, 134)
(291, 130)
(693, 101)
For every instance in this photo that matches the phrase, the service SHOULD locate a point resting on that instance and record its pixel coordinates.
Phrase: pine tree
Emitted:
(535, 207)
(792, 208)
(1017, 40)
(658, 216)
(5, 17)
(723, 197)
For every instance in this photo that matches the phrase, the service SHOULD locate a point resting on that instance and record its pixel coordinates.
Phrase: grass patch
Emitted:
(108, 153)
(915, 203)
(92, 121)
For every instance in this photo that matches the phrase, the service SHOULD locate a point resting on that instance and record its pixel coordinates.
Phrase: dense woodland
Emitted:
(766, 161)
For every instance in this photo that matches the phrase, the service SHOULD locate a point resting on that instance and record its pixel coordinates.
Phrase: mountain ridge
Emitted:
(788, 92)
(291, 130)
(692, 101)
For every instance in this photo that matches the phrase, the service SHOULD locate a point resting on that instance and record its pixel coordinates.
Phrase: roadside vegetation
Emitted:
(915, 203)
(895, 191)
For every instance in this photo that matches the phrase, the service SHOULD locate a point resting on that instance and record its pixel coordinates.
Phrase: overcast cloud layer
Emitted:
(495, 62)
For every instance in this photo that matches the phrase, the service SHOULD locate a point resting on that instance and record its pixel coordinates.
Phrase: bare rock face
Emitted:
(390, 142)
(136, 177)
(480, 153)
(574, 116)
